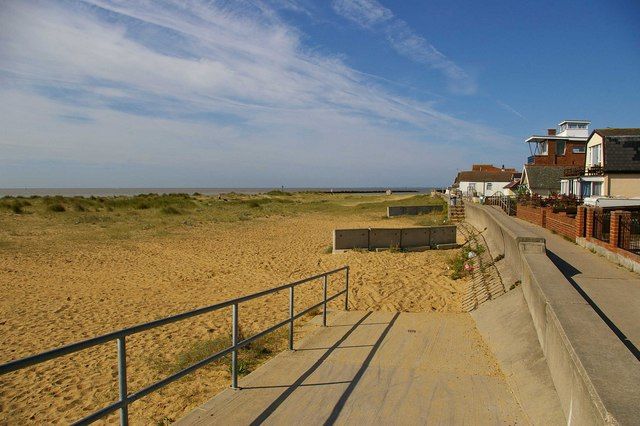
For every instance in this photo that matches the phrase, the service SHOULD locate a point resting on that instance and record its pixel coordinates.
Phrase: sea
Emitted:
(106, 192)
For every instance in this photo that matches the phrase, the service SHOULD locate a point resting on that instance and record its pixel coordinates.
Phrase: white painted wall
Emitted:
(485, 188)
(595, 142)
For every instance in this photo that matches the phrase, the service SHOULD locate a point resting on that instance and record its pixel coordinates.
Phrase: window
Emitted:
(586, 189)
(564, 187)
(489, 186)
(578, 149)
(471, 188)
(597, 188)
(561, 146)
(542, 148)
(594, 154)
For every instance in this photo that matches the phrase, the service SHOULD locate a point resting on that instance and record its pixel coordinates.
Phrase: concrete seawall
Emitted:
(503, 237)
(594, 374)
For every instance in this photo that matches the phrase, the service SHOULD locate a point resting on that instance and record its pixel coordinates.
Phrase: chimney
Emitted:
(502, 168)
(551, 132)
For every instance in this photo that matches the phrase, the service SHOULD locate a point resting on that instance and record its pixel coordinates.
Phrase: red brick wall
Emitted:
(581, 219)
(530, 214)
(561, 223)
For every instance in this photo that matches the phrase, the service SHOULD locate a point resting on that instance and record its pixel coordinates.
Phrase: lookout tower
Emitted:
(574, 128)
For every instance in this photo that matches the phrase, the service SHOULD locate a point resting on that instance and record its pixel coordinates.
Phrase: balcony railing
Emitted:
(595, 170)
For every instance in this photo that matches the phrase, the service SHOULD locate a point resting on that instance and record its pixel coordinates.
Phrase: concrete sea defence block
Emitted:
(404, 238)
(345, 239)
(443, 235)
(384, 237)
(415, 237)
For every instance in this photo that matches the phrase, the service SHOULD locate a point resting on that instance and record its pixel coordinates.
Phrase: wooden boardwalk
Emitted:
(374, 368)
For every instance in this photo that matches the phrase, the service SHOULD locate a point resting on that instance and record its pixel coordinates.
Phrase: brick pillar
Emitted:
(589, 218)
(580, 219)
(543, 216)
(615, 224)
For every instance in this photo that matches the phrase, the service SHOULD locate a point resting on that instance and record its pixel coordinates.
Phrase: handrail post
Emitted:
(291, 318)
(324, 304)
(346, 291)
(234, 342)
(122, 381)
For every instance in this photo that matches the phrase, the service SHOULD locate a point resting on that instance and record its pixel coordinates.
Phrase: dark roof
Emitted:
(513, 184)
(481, 176)
(609, 131)
(544, 177)
(621, 149)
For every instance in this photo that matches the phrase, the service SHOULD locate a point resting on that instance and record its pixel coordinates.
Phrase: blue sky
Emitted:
(106, 93)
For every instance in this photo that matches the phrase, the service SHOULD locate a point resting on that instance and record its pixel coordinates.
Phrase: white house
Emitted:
(485, 180)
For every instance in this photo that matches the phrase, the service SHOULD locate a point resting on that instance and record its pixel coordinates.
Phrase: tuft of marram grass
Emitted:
(170, 210)
(57, 207)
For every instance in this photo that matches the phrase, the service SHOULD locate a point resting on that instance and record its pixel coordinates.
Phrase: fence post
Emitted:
(580, 220)
(291, 318)
(346, 293)
(589, 218)
(324, 304)
(234, 342)
(122, 380)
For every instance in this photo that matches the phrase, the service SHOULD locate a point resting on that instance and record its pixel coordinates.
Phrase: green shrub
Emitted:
(277, 192)
(57, 207)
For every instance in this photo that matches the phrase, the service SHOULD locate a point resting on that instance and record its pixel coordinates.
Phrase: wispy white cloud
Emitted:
(202, 86)
(509, 108)
(374, 16)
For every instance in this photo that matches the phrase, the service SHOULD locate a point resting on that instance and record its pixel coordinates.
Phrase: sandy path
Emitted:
(57, 293)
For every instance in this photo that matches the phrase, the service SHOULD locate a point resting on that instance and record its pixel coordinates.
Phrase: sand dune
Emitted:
(56, 293)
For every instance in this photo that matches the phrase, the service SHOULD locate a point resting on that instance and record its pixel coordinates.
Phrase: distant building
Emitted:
(555, 154)
(564, 148)
(612, 166)
(484, 180)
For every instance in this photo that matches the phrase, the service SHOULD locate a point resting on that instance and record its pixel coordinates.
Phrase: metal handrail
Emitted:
(120, 335)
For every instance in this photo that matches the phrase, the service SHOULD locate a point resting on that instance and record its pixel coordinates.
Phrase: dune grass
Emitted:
(155, 216)
(249, 357)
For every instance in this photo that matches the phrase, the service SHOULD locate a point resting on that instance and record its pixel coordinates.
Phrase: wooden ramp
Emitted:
(374, 368)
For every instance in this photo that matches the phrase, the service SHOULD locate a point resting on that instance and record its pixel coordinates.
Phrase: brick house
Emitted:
(564, 148)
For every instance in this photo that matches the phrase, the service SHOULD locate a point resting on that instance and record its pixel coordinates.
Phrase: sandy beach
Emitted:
(69, 279)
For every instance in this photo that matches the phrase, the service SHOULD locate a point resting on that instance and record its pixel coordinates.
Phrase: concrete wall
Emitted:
(417, 237)
(404, 238)
(344, 239)
(413, 210)
(384, 238)
(502, 238)
(594, 374)
(443, 235)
